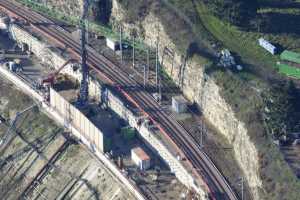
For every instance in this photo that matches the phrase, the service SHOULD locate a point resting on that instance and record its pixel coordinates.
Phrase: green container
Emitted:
(289, 70)
(107, 144)
(290, 56)
(128, 133)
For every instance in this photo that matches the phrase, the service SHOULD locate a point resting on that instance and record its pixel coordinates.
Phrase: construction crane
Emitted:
(50, 79)
(83, 95)
(5, 138)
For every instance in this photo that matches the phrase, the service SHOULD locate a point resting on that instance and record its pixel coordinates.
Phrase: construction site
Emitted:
(43, 160)
(86, 116)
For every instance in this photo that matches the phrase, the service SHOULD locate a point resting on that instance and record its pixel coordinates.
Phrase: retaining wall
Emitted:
(54, 59)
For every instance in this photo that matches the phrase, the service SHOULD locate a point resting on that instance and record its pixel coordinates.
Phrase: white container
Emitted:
(4, 22)
(112, 44)
(267, 45)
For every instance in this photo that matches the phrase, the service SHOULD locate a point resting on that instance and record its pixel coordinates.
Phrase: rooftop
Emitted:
(179, 99)
(141, 153)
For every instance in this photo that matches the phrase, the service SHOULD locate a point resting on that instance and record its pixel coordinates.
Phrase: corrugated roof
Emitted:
(141, 153)
(290, 56)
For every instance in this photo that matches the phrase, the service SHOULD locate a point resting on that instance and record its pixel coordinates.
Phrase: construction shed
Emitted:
(179, 104)
(112, 44)
(290, 56)
(140, 158)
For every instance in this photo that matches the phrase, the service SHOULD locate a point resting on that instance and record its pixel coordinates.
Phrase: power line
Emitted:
(120, 42)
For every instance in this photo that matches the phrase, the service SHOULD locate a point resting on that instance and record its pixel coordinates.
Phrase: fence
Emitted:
(73, 116)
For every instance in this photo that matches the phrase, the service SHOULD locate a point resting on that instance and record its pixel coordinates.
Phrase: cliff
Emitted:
(189, 72)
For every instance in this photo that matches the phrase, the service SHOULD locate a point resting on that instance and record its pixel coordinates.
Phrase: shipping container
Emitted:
(289, 70)
(267, 45)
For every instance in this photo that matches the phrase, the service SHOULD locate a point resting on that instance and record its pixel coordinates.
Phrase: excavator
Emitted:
(49, 80)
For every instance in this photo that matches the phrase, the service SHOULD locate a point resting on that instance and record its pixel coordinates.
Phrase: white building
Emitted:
(140, 158)
(4, 22)
(112, 44)
(267, 45)
(179, 104)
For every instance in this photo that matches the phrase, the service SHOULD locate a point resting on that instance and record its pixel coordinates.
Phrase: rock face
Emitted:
(198, 88)
(70, 7)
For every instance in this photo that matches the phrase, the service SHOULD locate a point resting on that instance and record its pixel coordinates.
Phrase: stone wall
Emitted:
(201, 89)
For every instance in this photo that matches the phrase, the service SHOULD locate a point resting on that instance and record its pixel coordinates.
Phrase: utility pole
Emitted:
(200, 129)
(133, 49)
(242, 188)
(83, 96)
(157, 59)
(87, 33)
(145, 74)
(156, 65)
(159, 91)
(148, 63)
(201, 134)
(121, 46)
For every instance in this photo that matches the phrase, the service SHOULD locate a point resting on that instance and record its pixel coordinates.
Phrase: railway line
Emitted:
(133, 92)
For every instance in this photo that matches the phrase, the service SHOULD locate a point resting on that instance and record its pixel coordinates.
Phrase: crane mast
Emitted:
(83, 95)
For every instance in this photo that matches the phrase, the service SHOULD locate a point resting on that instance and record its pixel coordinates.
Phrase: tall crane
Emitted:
(84, 87)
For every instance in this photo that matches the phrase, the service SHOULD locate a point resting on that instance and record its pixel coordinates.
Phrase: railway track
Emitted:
(133, 91)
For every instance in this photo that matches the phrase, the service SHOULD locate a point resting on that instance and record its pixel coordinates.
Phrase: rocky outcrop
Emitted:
(69, 7)
(198, 88)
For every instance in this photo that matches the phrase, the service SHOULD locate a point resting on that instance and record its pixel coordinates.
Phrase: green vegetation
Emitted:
(32, 124)
(94, 26)
(61, 16)
(284, 117)
(233, 11)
